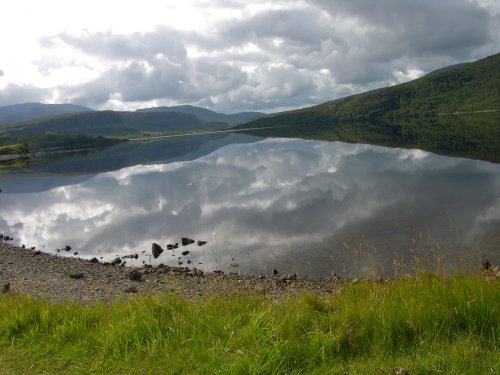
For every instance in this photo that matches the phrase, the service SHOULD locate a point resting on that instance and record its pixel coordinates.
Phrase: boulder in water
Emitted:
(156, 250)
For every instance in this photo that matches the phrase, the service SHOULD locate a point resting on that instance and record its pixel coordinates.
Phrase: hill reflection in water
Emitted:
(310, 207)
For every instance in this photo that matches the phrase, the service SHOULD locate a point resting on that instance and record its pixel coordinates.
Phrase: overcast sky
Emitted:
(231, 55)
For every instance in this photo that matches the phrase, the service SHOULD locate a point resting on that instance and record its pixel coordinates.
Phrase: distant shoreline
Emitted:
(468, 113)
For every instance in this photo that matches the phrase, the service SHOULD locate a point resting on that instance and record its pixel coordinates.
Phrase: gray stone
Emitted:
(116, 261)
(6, 288)
(186, 241)
(135, 275)
(131, 289)
(400, 371)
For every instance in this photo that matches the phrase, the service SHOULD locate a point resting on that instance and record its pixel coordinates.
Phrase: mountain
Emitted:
(86, 130)
(208, 115)
(111, 123)
(29, 111)
(461, 88)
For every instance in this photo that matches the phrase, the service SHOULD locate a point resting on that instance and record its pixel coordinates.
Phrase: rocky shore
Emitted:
(57, 278)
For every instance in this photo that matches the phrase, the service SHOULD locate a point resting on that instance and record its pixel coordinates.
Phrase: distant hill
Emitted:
(111, 123)
(29, 111)
(465, 87)
(208, 115)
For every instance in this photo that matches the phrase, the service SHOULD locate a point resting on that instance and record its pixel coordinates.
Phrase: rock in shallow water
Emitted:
(156, 250)
(186, 241)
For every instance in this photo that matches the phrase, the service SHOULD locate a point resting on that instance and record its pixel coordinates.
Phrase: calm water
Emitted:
(306, 206)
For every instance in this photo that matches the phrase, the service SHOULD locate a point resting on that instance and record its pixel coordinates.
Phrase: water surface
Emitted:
(310, 207)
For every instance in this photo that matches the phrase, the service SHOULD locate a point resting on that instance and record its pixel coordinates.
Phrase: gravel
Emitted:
(58, 278)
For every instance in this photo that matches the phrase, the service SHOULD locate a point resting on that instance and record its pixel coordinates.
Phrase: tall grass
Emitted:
(427, 325)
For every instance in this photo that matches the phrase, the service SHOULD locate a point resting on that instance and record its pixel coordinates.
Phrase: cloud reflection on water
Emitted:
(285, 203)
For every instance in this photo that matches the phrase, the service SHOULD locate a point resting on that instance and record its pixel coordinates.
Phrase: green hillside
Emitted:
(410, 115)
(95, 129)
(466, 87)
(111, 123)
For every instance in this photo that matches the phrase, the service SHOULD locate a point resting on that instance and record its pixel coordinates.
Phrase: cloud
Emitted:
(267, 56)
(15, 94)
(137, 46)
(1, 72)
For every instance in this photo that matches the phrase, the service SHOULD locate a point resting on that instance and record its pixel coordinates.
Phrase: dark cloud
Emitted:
(388, 29)
(303, 29)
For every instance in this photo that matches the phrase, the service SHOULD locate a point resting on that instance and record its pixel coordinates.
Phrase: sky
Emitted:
(231, 55)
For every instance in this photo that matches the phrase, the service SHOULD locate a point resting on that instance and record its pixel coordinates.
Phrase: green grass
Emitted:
(427, 325)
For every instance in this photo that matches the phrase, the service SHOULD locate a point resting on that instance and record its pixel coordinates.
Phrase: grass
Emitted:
(427, 325)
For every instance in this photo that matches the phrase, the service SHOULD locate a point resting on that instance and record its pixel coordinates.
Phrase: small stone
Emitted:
(275, 271)
(186, 252)
(94, 260)
(201, 243)
(116, 262)
(156, 250)
(23, 247)
(75, 253)
(197, 272)
(38, 252)
(400, 371)
(33, 247)
(76, 275)
(67, 248)
(235, 265)
(135, 275)
(291, 277)
(131, 289)
(6, 288)
(186, 241)
(485, 265)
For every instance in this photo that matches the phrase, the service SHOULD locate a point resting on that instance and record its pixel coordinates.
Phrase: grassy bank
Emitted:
(426, 325)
